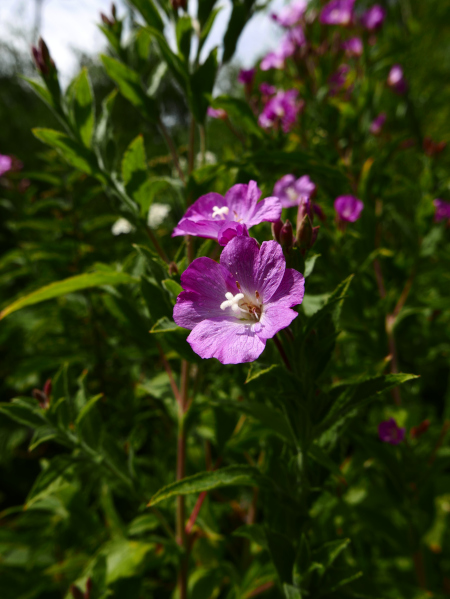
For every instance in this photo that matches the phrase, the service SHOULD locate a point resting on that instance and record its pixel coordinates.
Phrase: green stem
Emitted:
(172, 149)
(181, 472)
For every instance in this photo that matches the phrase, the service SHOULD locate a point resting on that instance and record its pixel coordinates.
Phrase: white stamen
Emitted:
(222, 212)
(232, 301)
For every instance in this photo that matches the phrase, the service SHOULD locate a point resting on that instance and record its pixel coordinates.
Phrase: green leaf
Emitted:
(71, 150)
(327, 554)
(148, 10)
(357, 394)
(25, 411)
(256, 370)
(241, 13)
(240, 111)
(165, 325)
(157, 302)
(172, 287)
(291, 592)
(130, 86)
(202, 83)
(83, 107)
(319, 456)
(254, 533)
(42, 92)
(176, 65)
(208, 26)
(184, 32)
(309, 264)
(282, 554)
(77, 283)
(134, 170)
(206, 481)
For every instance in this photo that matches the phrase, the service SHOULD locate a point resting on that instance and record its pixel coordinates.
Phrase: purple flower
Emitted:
(338, 79)
(216, 113)
(442, 210)
(353, 46)
(267, 90)
(373, 18)
(231, 230)
(246, 76)
(390, 432)
(292, 191)
(337, 12)
(396, 80)
(6, 163)
(377, 123)
(283, 107)
(232, 308)
(213, 215)
(348, 208)
(294, 39)
(291, 15)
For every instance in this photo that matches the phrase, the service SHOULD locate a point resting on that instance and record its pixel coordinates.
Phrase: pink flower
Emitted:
(292, 191)
(246, 76)
(337, 12)
(377, 123)
(216, 217)
(217, 113)
(6, 163)
(293, 40)
(283, 108)
(390, 432)
(338, 79)
(348, 208)
(267, 90)
(396, 80)
(292, 14)
(373, 18)
(353, 47)
(232, 308)
(442, 210)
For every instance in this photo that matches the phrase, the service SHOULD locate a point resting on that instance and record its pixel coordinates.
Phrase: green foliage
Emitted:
(146, 472)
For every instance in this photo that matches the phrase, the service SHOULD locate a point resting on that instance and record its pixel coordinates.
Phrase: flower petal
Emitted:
(240, 257)
(268, 209)
(205, 283)
(201, 213)
(269, 270)
(290, 291)
(229, 342)
(275, 318)
(201, 228)
(241, 200)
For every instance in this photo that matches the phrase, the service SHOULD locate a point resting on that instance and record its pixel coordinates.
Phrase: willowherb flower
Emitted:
(378, 123)
(6, 164)
(121, 227)
(390, 432)
(282, 108)
(442, 210)
(157, 214)
(291, 191)
(337, 12)
(267, 90)
(348, 208)
(232, 308)
(246, 76)
(291, 15)
(396, 80)
(353, 47)
(338, 79)
(373, 18)
(213, 214)
(293, 40)
(216, 113)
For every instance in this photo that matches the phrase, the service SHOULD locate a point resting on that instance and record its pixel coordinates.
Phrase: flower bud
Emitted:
(88, 592)
(176, 4)
(306, 233)
(48, 387)
(47, 68)
(417, 431)
(76, 593)
(287, 236)
(276, 230)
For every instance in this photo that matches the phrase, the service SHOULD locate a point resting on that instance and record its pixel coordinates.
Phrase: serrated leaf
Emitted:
(83, 107)
(256, 370)
(72, 151)
(206, 481)
(77, 283)
(130, 86)
(165, 325)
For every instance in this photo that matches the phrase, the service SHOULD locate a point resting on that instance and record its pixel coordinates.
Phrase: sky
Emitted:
(70, 25)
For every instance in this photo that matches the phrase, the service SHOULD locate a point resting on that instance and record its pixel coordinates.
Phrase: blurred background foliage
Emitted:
(371, 519)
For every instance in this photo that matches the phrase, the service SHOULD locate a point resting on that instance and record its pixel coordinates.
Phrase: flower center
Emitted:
(292, 194)
(248, 309)
(220, 212)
